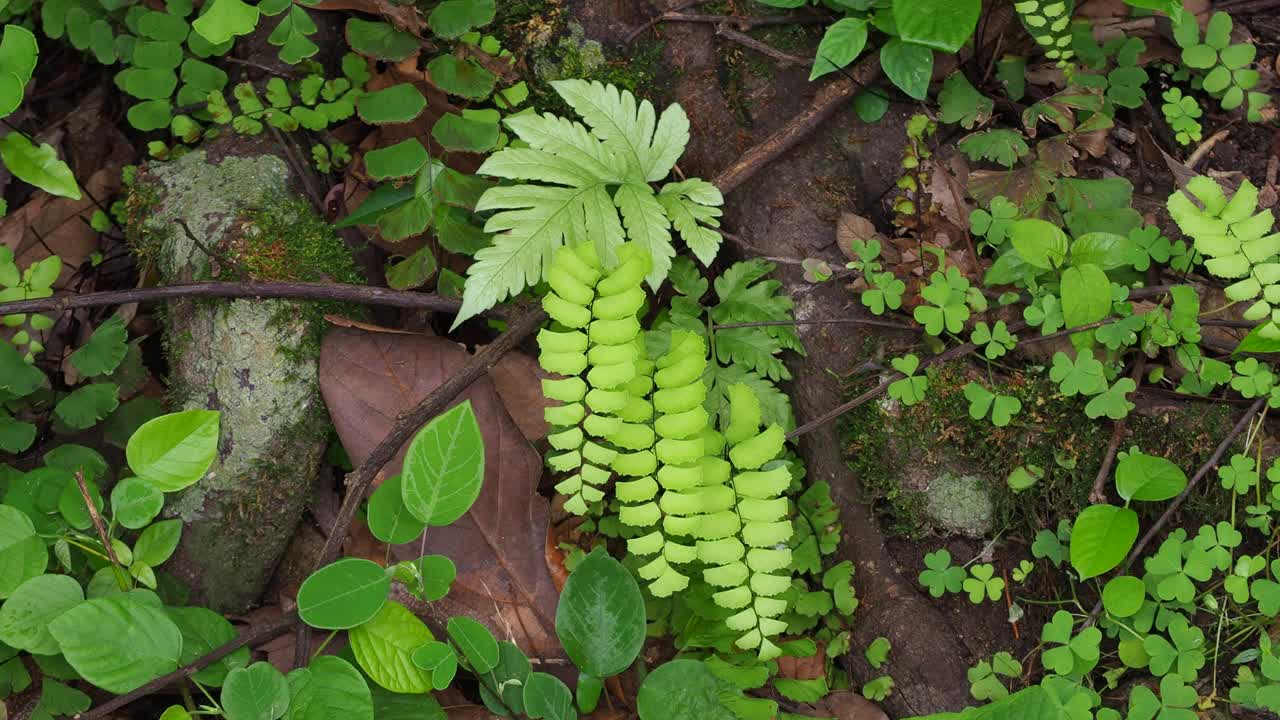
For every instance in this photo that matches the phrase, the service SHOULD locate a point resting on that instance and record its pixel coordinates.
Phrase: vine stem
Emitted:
(358, 481)
(1164, 519)
(361, 294)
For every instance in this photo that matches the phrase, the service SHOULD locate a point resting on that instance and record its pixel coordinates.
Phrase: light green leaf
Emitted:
(384, 648)
(118, 643)
(329, 688)
(22, 552)
(440, 660)
(444, 467)
(134, 503)
(682, 690)
(25, 616)
(940, 24)
(174, 451)
(908, 65)
(478, 645)
(38, 166)
(399, 103)
(843, 41)
(1148, 477)
(257, 692)
(389, 520)
(157, 542)
(1040, 243)
(225, 20)
(546, 697)
(1101, 537)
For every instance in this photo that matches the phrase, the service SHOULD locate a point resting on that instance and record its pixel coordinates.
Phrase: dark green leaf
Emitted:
(600, 619)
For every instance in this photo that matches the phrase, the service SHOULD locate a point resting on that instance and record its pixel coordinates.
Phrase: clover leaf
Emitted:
(1045, 312)
(1023, 571)
(981, 582)
(1112, 403)
(1082, 376)
(940, 576)
(910, 389)
(885, 292)
(1216, 543)
(1052, 546)
(998, 340)
(984, 678)
(1071, 656)
(1237, 583)
(1239, 475)
(982, 400)
(1183, 657)
(1173, 576)
(947, 309)
(878, 689)
(993, 224)
(1253, 379)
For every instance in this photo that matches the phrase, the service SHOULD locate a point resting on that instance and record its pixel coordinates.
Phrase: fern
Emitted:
(1237, 243)
(581, 184)
(599, 337)
(1049, 22)
(744, 545)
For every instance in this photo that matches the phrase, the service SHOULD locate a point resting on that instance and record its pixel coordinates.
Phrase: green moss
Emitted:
(283, 239)
(1051, 431)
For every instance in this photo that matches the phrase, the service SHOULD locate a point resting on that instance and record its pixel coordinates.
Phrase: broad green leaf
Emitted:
(150, 115)
(204, 631)
(71, 503)
(682, 690)
(461, 76)
(444, 467)
(380, 40)
(343, 594)
(25, 616)
(1040, 243)
(134, 503)
(465, 133)
(944, 25)
(478, 645)
(118, 643)
(1123, 596)
(329, 688)
(509, 676)
(104, 350)
(389, 705)
(841, 45)
(1101, 537)
(384, 648)
(962, 103)
(402, 159)
(121, 424)
(174, 451)
(1086, 295)
(225, 20)
(600, 620)
(399, 103)
(38, 166)
(18, 52)
(1148, 477)
(157, 542)
(546, 697)
(257, 692)
(413, 271)
(382, 200)
(389, 520)
(908, 65)
(17, 378)
(452, 18)
(73, 457)
(88, 404)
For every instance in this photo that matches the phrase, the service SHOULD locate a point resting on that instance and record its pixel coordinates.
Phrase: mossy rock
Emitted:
(255, 361)
(960, 504)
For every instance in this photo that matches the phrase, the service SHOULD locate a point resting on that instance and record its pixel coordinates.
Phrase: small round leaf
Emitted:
(343, 594)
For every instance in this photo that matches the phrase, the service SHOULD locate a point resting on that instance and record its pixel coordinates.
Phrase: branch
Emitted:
(361, 294)
(251, 636)
(358, 481)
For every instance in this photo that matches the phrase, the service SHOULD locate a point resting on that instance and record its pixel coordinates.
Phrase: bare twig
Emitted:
(743, 23)
(360, 294)
(1096, 494)
(251, 636)
(101, 527)
(408, 423)
(1204, 470)
(1204, 147)
(838, 321)
(723, 30)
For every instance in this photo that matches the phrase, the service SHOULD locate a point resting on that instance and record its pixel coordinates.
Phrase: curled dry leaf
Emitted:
(852, 227)
(503, 581)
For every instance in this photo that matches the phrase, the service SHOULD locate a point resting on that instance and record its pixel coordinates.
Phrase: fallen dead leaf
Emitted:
(518, 380)
(804, 668)
(848, 705)
(852, 227)
(404, 17)
(340, 321)
(368, 379)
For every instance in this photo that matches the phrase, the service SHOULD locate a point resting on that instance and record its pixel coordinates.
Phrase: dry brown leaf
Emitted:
(404, 17)
(848, 705)
(367, 380)
(340, 321)
(804, 668)
(852, 227)
(518, 379)
(948, 193)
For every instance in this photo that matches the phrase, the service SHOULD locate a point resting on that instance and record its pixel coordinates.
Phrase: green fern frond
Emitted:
(746, 550)
(577, 184)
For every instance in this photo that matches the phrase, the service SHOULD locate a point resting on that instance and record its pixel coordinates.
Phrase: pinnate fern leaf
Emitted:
(575, 184)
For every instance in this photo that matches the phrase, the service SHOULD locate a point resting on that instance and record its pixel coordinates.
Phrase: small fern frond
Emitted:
(649, 149)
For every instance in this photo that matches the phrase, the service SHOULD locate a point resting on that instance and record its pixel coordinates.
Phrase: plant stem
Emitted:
(122, 578)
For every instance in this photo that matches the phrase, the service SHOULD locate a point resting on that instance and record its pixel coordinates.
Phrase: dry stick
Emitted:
(358, 481)
(96, 517)
(251, 636)
(723, 30)
(839, 321)
(743, 23)
(1212, 463)
(361, 294)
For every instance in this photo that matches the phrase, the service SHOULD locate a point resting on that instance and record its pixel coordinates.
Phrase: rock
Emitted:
(960, 503)
(255, 361)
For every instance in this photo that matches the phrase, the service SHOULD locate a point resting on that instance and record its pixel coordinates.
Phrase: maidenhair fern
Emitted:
(681, 426)
(588, 184)
(1237, 242)
(596, 321)
(745, 544)
(1049, 22)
